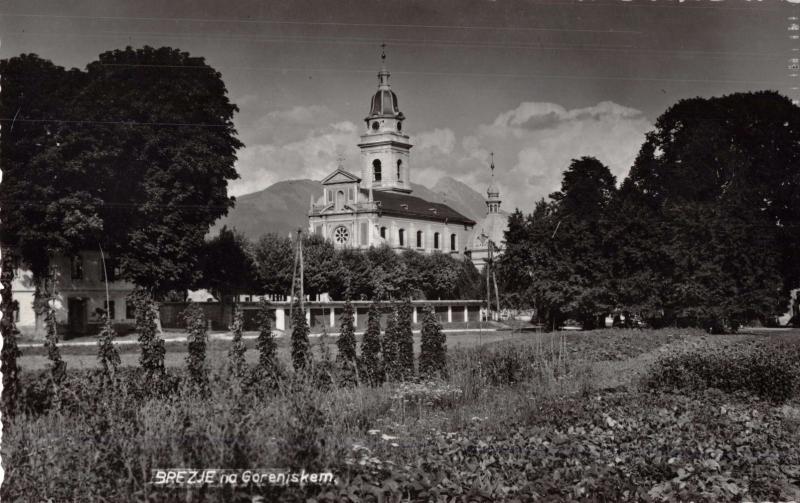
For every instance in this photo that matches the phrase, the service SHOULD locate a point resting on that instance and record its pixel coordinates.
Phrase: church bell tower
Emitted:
(384, 146)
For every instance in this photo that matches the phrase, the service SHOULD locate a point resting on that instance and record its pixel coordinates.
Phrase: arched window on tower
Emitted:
(435, 240)
(419, 239)
(376, 170)
(399, 165)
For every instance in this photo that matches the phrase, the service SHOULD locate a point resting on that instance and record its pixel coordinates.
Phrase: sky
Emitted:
(536, 82)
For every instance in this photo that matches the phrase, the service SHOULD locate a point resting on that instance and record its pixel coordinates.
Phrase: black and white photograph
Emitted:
(399, 251)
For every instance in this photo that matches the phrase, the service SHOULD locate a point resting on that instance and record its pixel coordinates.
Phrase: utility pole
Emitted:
(488, 274)
(300, 244)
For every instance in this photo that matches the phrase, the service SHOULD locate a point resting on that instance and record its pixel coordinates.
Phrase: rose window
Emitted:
(341, 235)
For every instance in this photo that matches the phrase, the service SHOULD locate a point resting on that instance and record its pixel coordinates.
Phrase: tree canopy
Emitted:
(702, 232)
(135, 154)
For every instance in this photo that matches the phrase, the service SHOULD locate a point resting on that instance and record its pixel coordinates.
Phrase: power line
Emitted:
(322, 23)
(409, 43)
(461, 74)
(123, 123)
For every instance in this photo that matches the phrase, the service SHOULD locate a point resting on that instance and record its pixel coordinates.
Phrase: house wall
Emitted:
(90, 288)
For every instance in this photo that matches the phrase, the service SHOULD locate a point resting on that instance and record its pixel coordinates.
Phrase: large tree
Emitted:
(274, 258)
(134, 154)
(47, 206)
(227, 265)
(320, 265)
(558, 255)
(719, 183)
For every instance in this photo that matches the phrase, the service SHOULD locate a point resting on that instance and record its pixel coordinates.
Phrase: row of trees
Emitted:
(232, 265)
(383, 357)
(703, 231)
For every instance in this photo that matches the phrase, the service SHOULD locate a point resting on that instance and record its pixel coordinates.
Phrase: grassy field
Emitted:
(611, 415)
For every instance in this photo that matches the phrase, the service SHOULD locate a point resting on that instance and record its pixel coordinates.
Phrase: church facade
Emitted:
(486, 242)
(377, 205)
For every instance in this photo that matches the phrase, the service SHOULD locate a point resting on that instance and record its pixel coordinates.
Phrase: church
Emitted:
(377, 206)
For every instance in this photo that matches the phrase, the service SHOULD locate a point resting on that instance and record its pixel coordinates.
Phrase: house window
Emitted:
(350, 194)
(452, 242)
(419, 239)
(402, 234)
(376, 170)
(76, 267)
(383, 232)
(399, 164)
(130, 310)
(110, 269)
(435, 240)
(112, 313)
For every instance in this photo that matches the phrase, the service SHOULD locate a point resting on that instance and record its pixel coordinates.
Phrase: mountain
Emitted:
(283, 207)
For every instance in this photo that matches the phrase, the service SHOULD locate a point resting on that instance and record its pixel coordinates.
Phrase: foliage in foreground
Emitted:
(769, 371)
(506, 424)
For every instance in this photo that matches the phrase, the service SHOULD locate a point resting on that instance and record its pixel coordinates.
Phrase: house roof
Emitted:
(404, 205)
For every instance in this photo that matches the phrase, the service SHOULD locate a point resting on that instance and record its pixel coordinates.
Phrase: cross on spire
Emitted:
(340, 159)
(492, 165)
(383, 51)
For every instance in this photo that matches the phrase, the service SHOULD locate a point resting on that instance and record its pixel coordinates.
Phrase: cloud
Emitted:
(533, 144)
(313, 156)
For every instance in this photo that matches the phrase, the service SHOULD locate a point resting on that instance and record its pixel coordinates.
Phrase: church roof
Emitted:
(405, 205)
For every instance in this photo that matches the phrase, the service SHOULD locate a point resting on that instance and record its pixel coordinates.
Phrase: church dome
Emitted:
(493, 192)
(384, 102)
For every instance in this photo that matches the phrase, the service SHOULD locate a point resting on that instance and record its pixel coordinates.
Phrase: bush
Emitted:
(107, 353)
(301, 349)
(236, 353)
(433, 351)
(371, 364)
(770, 372)
(197, 339)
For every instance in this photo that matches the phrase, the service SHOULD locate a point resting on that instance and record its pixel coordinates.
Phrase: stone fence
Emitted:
(450, 313)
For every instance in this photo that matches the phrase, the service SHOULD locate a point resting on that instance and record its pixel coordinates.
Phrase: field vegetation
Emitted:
(614, 415)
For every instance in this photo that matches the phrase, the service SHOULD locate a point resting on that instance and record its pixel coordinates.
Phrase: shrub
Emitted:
(265, 342)
(59, 366)
(405, 340)
(267, 367)
(433, 351)
(152, 345)
(346, 344)
(237, 351)
(771, 372)
(301, 353)
(371, 364)
(197, 340)
(324, 369)
(107, 353)
(10, 351)
(391, 349)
